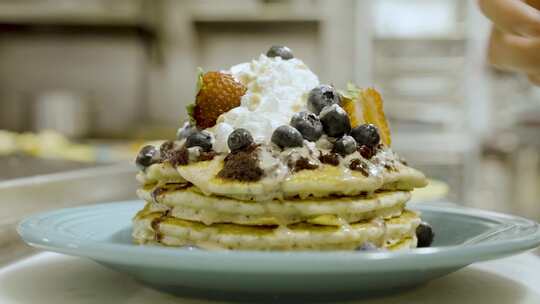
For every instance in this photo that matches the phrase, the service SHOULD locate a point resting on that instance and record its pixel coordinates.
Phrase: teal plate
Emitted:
(102, 233)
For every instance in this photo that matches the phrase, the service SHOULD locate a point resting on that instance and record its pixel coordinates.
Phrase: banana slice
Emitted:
(366, 106)
(372, 108)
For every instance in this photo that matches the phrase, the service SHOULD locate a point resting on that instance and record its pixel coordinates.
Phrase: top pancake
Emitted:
(384, 171)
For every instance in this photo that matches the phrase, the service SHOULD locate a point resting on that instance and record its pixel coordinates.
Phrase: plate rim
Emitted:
(282, 262)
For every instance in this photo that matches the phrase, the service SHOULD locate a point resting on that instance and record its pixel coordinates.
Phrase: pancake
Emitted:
(303, 183)
(403, 178)
(385, 172)
(324, 181)
(161, 228)
(190, 204)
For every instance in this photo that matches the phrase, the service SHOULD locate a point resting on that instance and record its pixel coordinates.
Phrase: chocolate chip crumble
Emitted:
(205, 156)
(242, 166)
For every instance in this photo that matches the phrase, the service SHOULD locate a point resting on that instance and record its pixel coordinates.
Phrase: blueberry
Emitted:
(321, 97)
(366, 135)
(201, 139)
(287, 137)
(345, 145)
(424, 234)
(239, 140)
(367, 246)
(185, 131)
(308, 124)
(280, 51)
(335, 121)
(148, 156)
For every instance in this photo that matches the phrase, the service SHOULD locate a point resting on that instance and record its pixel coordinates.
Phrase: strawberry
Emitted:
(218, 93)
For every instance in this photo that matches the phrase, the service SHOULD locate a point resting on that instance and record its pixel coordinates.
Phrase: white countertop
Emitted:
(54, 278)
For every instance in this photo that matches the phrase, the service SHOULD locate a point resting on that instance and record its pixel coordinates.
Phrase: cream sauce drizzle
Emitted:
(275, 163)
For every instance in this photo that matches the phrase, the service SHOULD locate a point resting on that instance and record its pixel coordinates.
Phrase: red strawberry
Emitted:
(219, 92)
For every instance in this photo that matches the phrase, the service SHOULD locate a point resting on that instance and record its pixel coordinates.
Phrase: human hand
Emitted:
(515, 39)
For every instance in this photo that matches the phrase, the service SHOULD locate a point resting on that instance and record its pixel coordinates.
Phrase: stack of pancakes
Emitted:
(326, 208)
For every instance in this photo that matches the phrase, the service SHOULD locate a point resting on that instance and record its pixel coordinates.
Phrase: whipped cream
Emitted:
(276, 89)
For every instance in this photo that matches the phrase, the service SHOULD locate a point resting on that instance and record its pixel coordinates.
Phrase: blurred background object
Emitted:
(107, 75)
(62, 111)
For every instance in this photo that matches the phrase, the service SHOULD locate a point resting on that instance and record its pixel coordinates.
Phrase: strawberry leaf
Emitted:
(200, 73)
(352, 90)
(190, 108)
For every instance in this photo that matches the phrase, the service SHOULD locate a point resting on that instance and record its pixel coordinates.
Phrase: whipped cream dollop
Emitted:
(276, 89)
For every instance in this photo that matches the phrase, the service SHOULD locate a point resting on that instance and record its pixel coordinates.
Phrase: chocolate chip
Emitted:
(303, 163)
(177, 186)
(390, 168)
(366, 151)
(155, 225)
(168, 187)
(330, 159)
(360, 166)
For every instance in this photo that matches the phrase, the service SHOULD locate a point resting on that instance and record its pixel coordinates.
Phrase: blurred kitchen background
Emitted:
(104, 76)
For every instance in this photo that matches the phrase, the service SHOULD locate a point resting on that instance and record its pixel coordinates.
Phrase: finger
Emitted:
(511, 52)
(513, 16)
(534, 79)
(534, 3)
